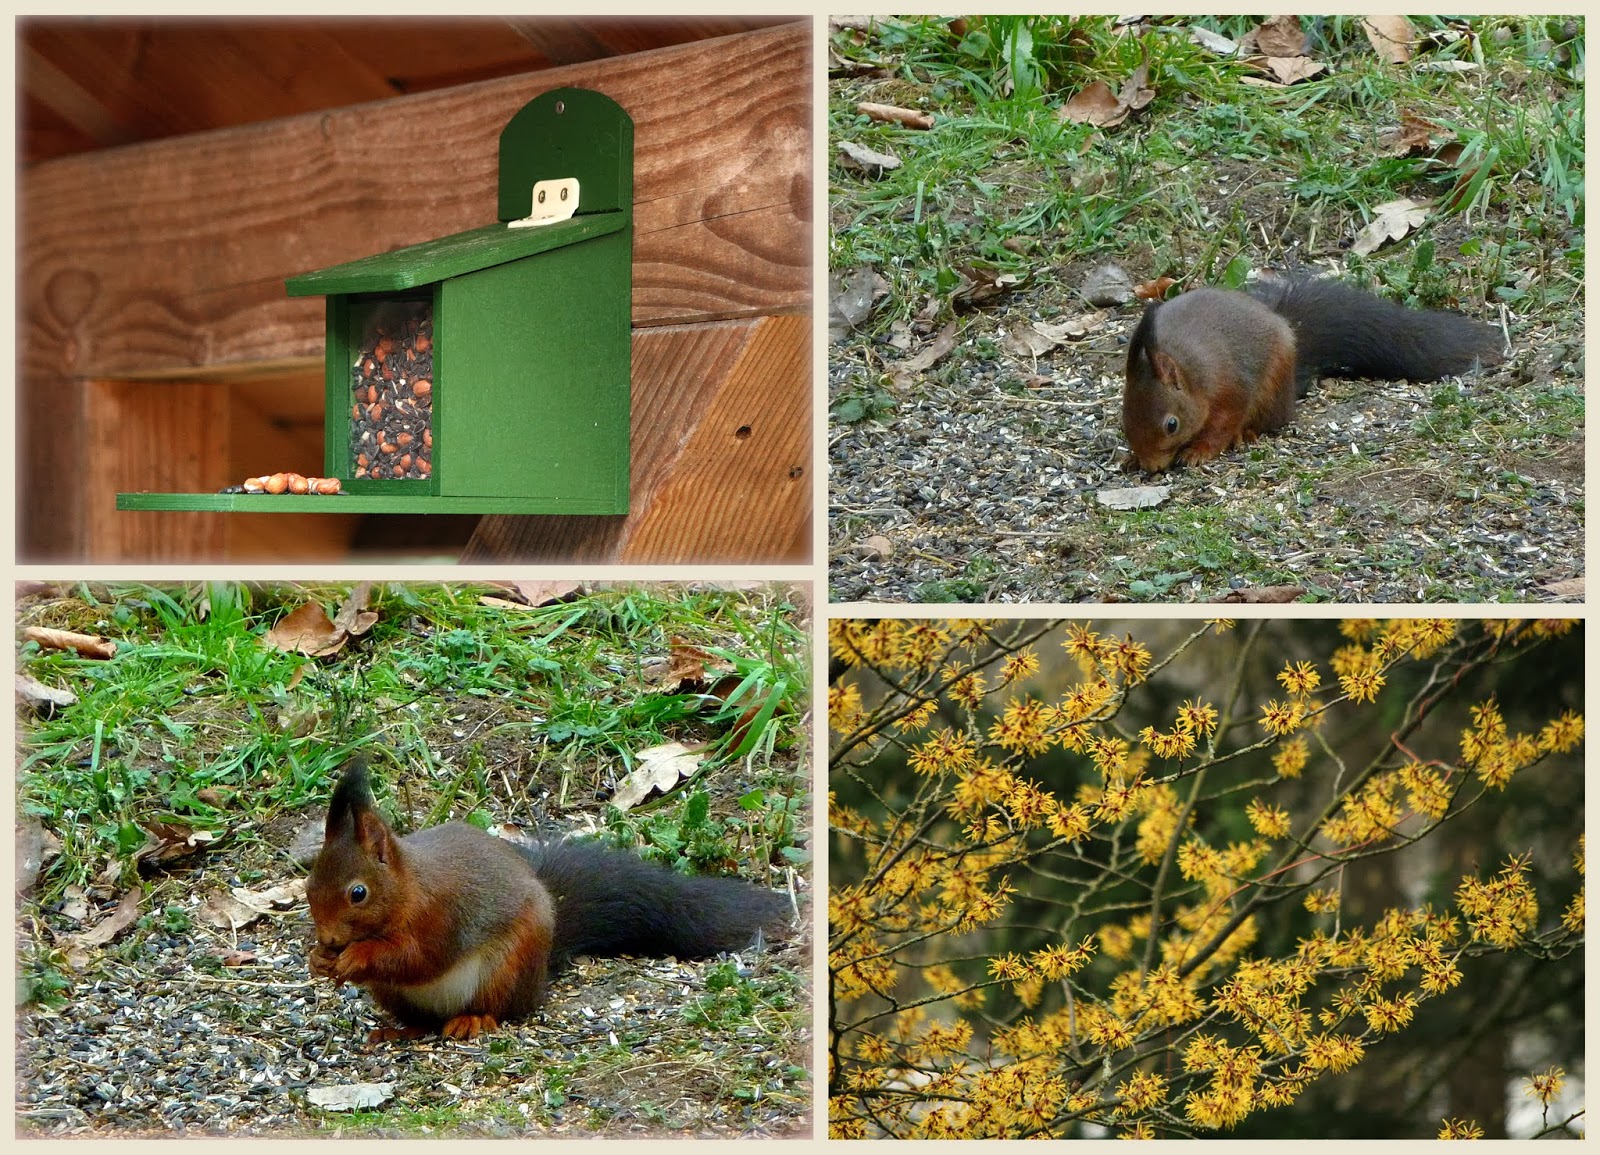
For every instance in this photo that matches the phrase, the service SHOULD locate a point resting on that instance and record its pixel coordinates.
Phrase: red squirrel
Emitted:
(1212, 369)
(454, 930)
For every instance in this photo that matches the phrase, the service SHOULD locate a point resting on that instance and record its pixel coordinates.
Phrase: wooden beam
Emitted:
(168, 257)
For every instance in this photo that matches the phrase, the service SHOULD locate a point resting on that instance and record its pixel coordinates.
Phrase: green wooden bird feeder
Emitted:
(485, 372)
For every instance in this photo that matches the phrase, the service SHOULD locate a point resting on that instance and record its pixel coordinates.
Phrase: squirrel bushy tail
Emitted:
(1343, 331)
(610, 902)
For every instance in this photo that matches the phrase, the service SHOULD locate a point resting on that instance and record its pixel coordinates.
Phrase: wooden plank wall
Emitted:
(167, 260)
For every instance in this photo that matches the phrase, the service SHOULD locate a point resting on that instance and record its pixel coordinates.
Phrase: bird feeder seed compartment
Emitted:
(390, 428)
(486, 371)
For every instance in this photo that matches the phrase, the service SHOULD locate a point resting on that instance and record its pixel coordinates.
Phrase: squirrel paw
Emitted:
(395, 1034)
(1197, 454)
(322, 962)
(467, 1026)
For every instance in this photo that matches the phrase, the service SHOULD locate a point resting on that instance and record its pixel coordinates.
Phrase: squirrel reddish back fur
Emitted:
(1212, 369)
(452, 929)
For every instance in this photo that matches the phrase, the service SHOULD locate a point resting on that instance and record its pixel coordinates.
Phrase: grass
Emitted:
(196, 721)
(1002, 180)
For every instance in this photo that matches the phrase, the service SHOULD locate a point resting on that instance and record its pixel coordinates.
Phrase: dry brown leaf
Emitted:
(1571, 589)
(43, 699)
(1288, 70)
(35, 847)
(1413, 136)
(980, 283)
(1025, 341)
(236, 958)
(74, 903)
(113, 924)
(33, 589)
(1071, 328)
(353, 617)
(1390, 222)
(307, 631)
(169, 841)
(874, 548)
(225, 912)
(909, 117)
(1214, 42)
(686, 663)
(1096, 105)
(658, 770)
(867, 160)
(1391, 37)
(851, 297)
(547, 593)
(1136, 92)
(275, 899)
(1279, 36)
(932, 353)
(86, 645)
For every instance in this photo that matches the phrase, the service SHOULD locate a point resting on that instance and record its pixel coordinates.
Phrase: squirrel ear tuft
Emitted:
(352, 797)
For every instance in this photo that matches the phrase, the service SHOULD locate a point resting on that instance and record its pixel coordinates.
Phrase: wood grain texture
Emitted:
(114, 80)
(721, 456)
(210, 435)
(169, 257)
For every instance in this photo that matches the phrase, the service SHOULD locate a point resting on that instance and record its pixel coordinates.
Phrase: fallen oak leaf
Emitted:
(1568, 588)
(851, 298)
(1097, 105)
(1287, 70)
(658, 770)
(85, 645)
(273, 900)
(1412, 136)
(1390, 221)
(980, 283)
(307, 630)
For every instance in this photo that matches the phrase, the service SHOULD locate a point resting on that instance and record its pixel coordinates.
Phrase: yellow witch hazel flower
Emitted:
(1546, 1086)
(1502, 910)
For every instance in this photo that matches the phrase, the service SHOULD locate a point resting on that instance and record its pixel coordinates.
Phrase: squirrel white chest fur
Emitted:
(455, 990)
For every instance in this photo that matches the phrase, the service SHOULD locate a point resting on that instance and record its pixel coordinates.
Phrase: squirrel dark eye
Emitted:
(1170, 424)
(358, 894)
